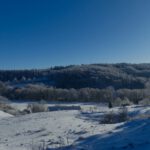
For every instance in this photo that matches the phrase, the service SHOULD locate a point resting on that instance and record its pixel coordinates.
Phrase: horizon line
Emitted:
(53, 66)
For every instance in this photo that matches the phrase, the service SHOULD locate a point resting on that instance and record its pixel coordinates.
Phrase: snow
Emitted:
(74, 129)
(4, 115)
(132, 135)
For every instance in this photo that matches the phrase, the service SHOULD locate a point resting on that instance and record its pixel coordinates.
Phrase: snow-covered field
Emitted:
(74, 129)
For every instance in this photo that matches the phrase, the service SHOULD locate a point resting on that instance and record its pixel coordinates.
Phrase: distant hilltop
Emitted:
(121, 75)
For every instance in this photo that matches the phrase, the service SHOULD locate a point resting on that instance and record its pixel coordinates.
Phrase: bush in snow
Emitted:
(37, 107)
(6, 107)
(121, 102)
(123, 114)
(145, 102)
(126, 102)
(108, 118)
(113, 117)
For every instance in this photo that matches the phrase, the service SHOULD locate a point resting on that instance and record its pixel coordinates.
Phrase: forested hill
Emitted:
(131, 76)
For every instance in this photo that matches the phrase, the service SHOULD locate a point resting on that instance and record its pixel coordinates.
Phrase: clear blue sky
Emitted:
(43, 33)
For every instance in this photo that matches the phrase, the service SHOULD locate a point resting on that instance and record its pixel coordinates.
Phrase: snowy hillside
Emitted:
(74, 130)
(4, 115)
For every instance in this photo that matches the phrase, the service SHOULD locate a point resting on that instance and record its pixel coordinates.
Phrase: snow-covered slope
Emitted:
(4, 115)
(57, 129)
(80, 129)
(133, 135)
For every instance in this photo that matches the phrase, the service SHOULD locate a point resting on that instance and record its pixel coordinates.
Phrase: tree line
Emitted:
(41, 92)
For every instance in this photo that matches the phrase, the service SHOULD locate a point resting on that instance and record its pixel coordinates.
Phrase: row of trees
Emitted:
(41, 92)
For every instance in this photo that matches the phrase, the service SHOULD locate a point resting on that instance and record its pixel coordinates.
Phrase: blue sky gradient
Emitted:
(44, 33)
